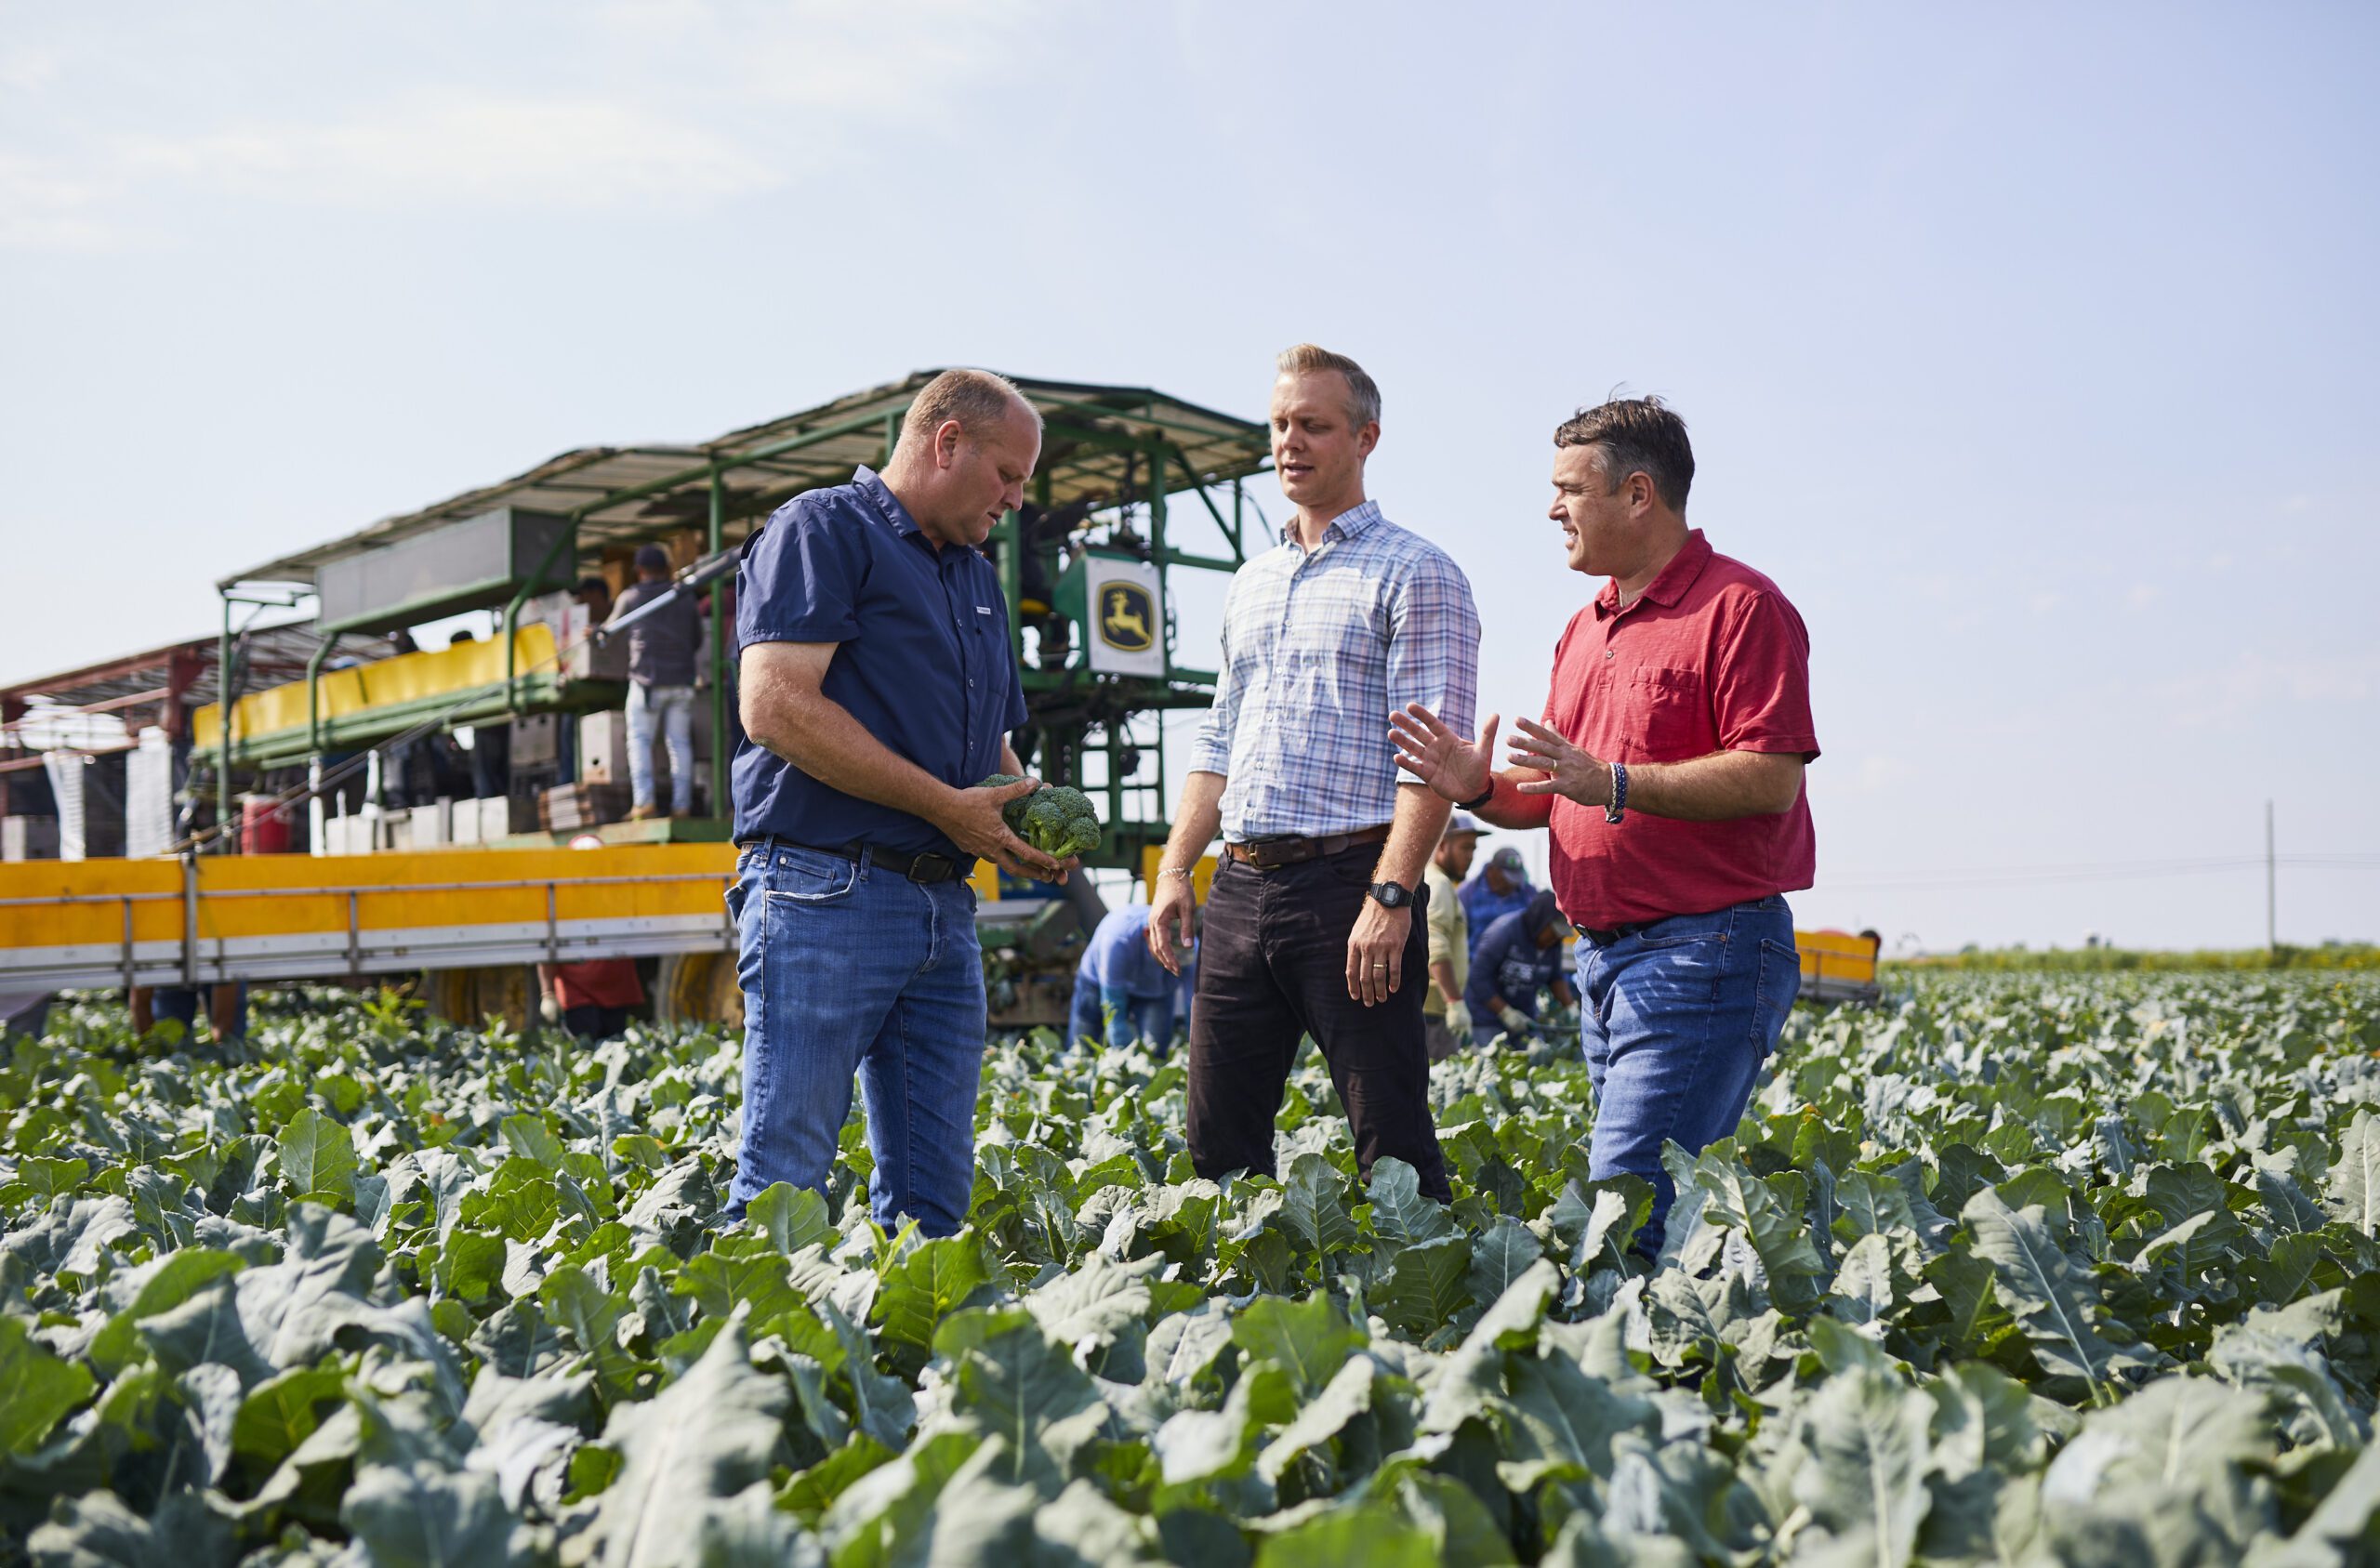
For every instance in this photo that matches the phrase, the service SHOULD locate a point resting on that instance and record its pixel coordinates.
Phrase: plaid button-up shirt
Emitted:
(1318, 650)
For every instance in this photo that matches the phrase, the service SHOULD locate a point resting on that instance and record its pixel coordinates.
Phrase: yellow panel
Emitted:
(985, 881)
(392, 891)
(1837, 955)
(1202, 876)
(406, 677)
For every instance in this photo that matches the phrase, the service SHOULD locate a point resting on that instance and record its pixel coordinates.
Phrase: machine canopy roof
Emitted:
(1094, 450)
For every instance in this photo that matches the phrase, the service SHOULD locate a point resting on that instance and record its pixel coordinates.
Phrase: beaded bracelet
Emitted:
(1618, 807)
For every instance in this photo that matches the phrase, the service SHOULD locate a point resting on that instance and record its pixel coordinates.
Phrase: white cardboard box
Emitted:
(604, 748)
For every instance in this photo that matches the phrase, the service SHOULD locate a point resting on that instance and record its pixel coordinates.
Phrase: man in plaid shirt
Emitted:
(1313, 925)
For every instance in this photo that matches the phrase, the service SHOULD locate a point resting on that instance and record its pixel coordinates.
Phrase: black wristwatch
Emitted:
(1391, 895)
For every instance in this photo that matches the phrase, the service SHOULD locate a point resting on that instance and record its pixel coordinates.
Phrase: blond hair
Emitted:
(1363, 392)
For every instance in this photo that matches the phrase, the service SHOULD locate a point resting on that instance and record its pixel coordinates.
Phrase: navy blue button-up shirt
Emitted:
(924, 664)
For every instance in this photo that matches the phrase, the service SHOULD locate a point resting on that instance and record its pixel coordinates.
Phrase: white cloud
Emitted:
(2259, 681)
(43, 208)
(570, 155)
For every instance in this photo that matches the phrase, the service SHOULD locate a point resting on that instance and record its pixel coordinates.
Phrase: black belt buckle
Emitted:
(933, 868)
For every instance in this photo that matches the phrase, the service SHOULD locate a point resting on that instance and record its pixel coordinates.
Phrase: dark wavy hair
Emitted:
(1636, 436)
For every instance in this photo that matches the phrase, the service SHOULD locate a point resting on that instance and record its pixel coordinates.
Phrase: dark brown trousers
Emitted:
(1271, 969)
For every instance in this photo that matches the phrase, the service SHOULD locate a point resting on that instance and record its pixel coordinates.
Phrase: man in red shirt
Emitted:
(1668, 768)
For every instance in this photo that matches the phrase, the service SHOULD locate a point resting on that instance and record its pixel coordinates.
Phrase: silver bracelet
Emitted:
(1177, 871)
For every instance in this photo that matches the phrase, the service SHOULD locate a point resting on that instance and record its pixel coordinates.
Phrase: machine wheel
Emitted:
(464, 998)
(699, 988)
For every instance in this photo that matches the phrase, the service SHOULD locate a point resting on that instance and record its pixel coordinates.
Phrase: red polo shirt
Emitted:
(1710, 658)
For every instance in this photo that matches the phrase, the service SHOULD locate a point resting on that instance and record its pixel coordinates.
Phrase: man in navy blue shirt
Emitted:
(877, 686)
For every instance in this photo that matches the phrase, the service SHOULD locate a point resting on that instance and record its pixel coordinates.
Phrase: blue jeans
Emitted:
(849, 969)
(1676, 1019)
(1116, 1017)
(670, 711)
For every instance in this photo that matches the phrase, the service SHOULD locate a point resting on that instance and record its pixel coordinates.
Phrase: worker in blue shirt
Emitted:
(1121, 991)
(1520, 955)
(1500, 887)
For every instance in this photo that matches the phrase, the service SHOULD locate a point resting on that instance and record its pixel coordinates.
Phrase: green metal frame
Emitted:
(1070, 703)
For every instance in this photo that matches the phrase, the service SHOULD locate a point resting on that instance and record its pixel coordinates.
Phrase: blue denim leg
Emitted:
(851, 971)
(1676, 1021)
(678, 734)
(1084, 1020)
(644, 718)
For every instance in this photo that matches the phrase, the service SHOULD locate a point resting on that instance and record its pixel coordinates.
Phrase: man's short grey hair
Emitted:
(977, 399)
(1363, 392)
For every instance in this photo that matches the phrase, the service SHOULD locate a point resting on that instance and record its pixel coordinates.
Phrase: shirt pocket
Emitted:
(1670, 714)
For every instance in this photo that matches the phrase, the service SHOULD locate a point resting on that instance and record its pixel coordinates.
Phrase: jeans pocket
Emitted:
(810, 878)
(1778, 982)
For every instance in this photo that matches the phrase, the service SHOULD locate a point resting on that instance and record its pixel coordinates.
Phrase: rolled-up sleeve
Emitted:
(1433, 644)
(800, 580)
(1210, 748)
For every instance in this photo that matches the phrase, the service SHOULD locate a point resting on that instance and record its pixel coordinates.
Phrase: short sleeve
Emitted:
(801, 578)
(1760, 691)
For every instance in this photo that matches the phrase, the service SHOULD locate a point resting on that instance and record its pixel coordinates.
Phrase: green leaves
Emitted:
(683, 1453)
(316, 1158)
(2058, 1309)
(37, 1387)
(239, 1303)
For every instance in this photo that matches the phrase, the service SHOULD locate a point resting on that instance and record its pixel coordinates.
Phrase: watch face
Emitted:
(1391, 895)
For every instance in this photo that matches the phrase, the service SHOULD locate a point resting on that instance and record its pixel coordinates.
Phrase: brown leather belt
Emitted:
(1267, 854)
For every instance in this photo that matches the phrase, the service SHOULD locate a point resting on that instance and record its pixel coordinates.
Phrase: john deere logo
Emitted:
(1127, 616)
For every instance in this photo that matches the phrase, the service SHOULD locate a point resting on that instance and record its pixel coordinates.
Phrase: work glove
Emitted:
(1514, 1020)
(550, 1009)
(1459, 1021)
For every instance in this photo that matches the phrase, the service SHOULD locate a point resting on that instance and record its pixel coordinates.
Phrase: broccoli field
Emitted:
(2009, 1269)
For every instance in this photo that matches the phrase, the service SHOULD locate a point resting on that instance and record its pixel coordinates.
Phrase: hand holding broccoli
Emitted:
(976, 823)
(1053, 825)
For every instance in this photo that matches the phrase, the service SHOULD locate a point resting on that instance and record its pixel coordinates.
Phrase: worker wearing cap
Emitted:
(1669, 768)
(1520, 956)
(1500, 889)
(877, 687)
(1446, 1017)
(1311, 927)
(662, 654)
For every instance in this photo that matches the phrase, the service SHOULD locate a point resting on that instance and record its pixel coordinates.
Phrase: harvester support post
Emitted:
(719, 804)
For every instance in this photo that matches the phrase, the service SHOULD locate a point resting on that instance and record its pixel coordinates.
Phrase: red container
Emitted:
(264, 825)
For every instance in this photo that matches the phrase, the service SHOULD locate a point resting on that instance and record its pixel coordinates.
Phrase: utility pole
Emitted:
(2271, 943)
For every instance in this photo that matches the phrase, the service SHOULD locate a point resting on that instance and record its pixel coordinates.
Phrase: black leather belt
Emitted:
(1603, 936)
(926, 867)
(1264, 854)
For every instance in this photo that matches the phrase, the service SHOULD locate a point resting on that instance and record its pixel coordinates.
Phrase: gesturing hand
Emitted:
(1569, 771)
(1452, 767)
(974, 824)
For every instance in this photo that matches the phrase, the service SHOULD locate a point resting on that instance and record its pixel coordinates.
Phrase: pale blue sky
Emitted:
(2032, 351)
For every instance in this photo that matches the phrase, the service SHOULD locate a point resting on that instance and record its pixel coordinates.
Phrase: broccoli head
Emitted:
(1057, 819)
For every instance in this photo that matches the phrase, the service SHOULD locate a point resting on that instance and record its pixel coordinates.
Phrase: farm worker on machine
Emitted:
(1500, 889)
(1310, 925)
(1668, 767)
(1122, 994)
(1520, 955)
(878, 685)
(591, 999)
(662, 649)
(1446, 1017)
